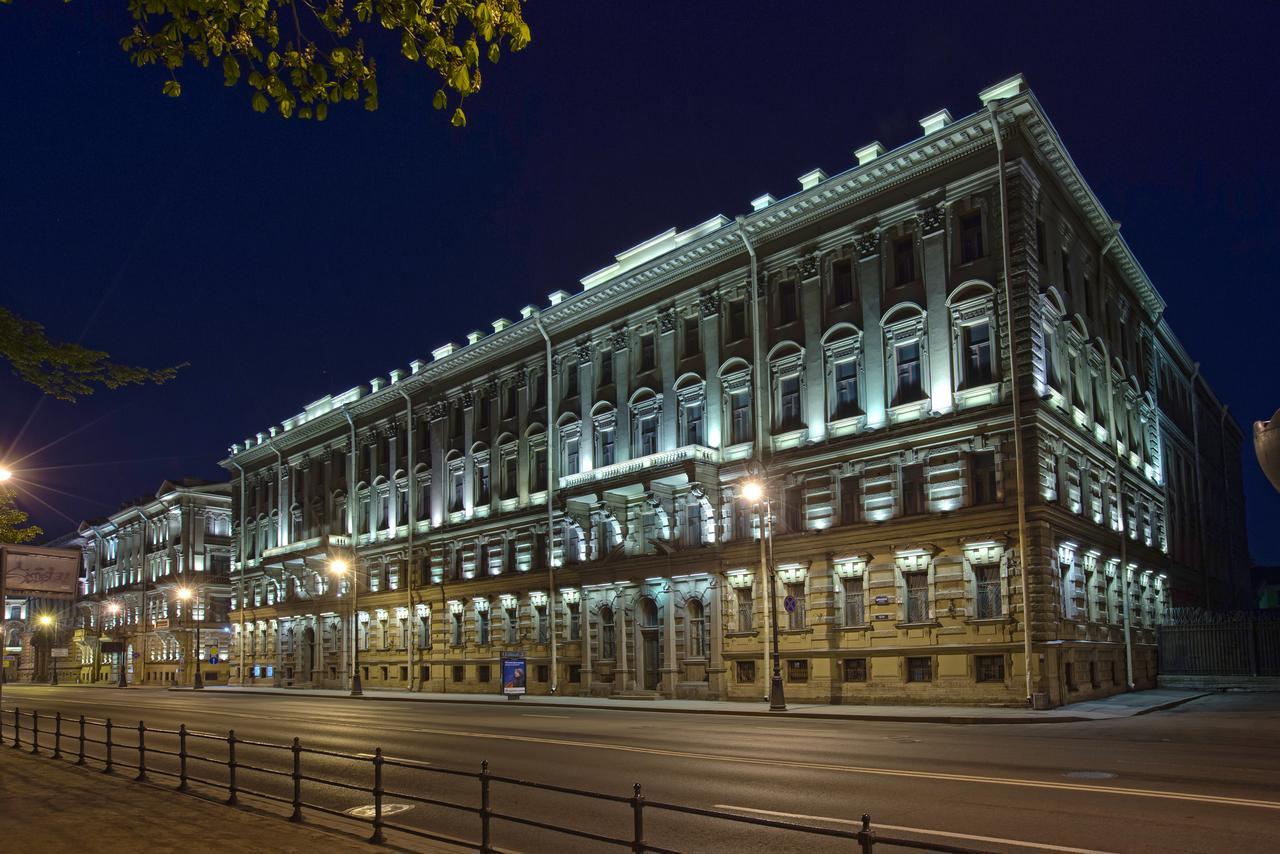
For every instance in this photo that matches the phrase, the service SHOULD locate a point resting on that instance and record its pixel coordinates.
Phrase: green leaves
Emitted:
(301, 57)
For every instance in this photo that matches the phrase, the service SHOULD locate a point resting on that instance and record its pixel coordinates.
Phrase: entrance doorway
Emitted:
(307, 653)
(650, 643)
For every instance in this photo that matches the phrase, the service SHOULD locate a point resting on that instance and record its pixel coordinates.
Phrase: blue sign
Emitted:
(514, 676)
(789, 604)
(213, 659)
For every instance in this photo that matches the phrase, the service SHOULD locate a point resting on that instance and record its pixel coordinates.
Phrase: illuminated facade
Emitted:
(847, 343)
(140, 563)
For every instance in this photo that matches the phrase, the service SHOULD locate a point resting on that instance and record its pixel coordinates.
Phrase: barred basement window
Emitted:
(989, 668)
(853, 603)
(795, 620)
(917, 584)
(746, 608)
(987, 588)
(745, 671)
(920, 669)
(855, 669)
(482, 673)
(797, 670)
(459, 673)
(541, 673)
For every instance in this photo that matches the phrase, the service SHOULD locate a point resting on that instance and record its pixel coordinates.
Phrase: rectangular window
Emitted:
(850, 502)
(605, 441)
(987, 591)
(511, 407)
(740, 416)
(482, 628)
(920, 669)
(538, 386)
(1069, 672)
(571, 456)
(513, 625)
(482, 483)
(510, 480)
(982, 477)
(692, 341)
(855, 670)
(693, 423)
(787, 309)
(795, 619)
(1066, 271)
(842, 282)
(913, 490)
(459, 673)
(606, 368)
(846, 388)
(971, 243)
(797, 670)
(789, 402)
(904, 260)
(988, 668)
(917, 584)
(854, 614)
(482, 673)
(1041, 252)
(745, 672)
(456, 639)
(977, 354)
(575, 621)
(456, 495)
(608, 645)
(543, 627)
(647, 429)
(539, 469)
(647, 359)
(910, 387)
(746, 608)
(482, 412)
(737, 320)
(571, 380)
(793, 509)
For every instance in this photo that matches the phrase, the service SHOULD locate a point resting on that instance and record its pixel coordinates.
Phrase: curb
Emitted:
(967, 720)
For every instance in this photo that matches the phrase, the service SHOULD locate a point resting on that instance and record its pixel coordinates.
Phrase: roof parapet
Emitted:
(659, 244)
(812, 178)
(1014, 85)
(759, 203)
(868, 153)
(935, 121)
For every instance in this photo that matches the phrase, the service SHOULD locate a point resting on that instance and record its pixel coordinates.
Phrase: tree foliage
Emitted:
(13, 522)
(62, 370)
(300, 56)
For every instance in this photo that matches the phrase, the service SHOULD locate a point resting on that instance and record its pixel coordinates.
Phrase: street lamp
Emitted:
(340, 568)
(5, 474)
(46, 624)
(113, 608)
(186, 595)
(754, 492)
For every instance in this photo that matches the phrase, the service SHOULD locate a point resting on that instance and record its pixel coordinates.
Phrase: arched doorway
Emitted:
(307, 653)
(650, 644)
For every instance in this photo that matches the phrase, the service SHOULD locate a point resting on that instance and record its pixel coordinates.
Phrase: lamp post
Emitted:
(47, 627)
(340, 568)
(754, 492)
(187, 596)
(113, 608)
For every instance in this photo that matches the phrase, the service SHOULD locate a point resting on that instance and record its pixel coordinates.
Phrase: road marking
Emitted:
(999, 840)
(396, 759)
(528, 715)
(880, 772)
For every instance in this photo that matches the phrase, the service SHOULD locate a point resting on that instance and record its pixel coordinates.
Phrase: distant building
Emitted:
(850, 344)
(139, 564)
(1266, 586)
(37, 631)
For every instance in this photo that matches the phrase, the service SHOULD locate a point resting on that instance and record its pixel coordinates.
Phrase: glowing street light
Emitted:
(113, 608)
(45, 620)
(5, 474)
(340, 568)
(754, 492)
(46, 624)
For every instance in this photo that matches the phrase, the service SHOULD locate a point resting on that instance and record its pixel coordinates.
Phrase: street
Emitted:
(1200, 777)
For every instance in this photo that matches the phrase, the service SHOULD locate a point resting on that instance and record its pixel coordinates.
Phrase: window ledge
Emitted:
(930, 624)
(1003, 618)
(806, 630)
(858, 628)
(748, 634)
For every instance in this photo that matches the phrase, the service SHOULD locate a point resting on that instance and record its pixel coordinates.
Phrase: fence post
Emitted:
(57, 735)
(377, 838)
(17, 728)
(35, 732)
(80, 752)
(637, 811)
(297, 780)
(866, 836)
(485, 845)
(142, 754)
(231, 767)
(107, 770)
(182, 758)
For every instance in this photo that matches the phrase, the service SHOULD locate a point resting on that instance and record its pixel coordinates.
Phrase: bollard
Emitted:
(866, 836)
(17, 728)
(142, 754)
(297, 781)
(377, 838)
(80, 751)
(231, 767)
(57, 735)
(182, 757)
(107, 770)
(485, 845)
(637, 810)
(35, 733)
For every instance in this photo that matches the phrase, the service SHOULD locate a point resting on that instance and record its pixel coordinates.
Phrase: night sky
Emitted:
(288, 260)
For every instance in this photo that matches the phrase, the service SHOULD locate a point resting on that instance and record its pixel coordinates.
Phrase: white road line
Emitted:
(529, 715)
(396, 759)
(999, 840)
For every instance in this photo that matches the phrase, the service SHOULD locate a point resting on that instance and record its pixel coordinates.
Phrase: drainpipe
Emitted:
(355, 571)
(1006, 263)
(757, 432)
(551, 481)
(411, 642)
(244, 561)
(1115, 449)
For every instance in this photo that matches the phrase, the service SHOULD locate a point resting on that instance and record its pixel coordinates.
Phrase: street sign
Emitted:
(213, 659)
(162, 623)
(213, 652)
(60, 652)
(789, 604)
(882, 600)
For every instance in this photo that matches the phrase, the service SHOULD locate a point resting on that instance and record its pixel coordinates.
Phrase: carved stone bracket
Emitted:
(930, 219)
(437, 409)
(583, 351)
(808, 265)
(709, 304)
(667, 320)
(867, 244)
(618, 338)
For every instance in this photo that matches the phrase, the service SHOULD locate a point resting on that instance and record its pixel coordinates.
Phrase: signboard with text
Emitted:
(514, 676)
(33, 571)
(60, 652)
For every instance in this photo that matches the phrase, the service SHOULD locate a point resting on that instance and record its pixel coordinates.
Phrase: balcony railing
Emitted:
(696, 453)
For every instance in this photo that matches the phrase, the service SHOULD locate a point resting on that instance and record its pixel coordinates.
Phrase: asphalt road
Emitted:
(1201, 777)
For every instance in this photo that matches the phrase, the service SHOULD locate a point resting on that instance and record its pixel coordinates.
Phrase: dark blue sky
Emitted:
(262, 250)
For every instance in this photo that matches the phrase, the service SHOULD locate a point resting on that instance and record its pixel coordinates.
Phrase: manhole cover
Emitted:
(387, 809)
(1091, 775)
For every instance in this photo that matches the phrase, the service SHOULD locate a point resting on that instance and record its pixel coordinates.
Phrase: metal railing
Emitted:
(83, 740)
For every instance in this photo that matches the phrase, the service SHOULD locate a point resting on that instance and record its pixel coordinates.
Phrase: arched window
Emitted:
(608, 646)
(646, 411)
(691, 400)
(696, 617)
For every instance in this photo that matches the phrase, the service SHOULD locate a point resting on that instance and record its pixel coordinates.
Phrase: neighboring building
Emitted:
(1266, 587)
(869, 369)
(138, 563)
(37, 632)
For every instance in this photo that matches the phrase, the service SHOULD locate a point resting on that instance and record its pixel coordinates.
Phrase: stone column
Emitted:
(709, 309)
(815, 386)
(933, 242)
(868, 245)
(666, 345)
(671, 660)
(584, 615)
(586, 398)
(623, 672)
(622, 381)
(437, 413)
(716, 688)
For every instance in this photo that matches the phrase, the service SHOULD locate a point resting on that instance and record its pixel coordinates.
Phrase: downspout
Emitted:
(551, 481)
(244, 561)
(1016, 397)
(1115, 449)
(411, 642)
(355, 571)
(757, 432)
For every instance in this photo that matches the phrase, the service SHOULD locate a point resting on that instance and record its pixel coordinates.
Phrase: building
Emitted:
(155, 571)
(37, 631)
(578, 499)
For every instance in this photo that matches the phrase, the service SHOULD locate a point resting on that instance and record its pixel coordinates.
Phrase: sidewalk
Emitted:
(1110, 708)
(52, 806)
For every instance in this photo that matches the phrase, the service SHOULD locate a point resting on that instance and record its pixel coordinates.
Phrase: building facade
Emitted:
(570, 486)
(155, 571)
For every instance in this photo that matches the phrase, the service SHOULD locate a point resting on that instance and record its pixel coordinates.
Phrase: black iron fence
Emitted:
(282, 772)
(1230, 645)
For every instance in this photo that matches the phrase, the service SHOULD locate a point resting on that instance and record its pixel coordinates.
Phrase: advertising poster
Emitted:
(514, 676)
